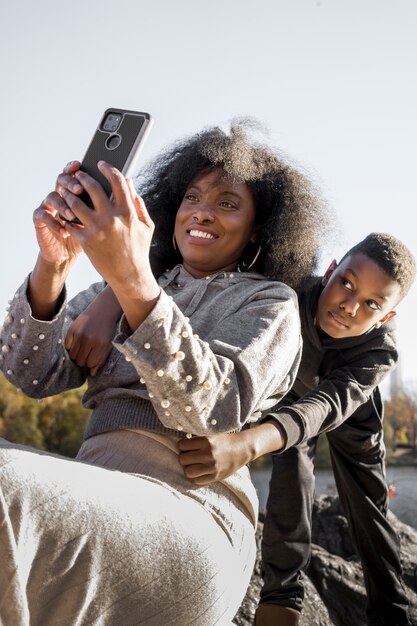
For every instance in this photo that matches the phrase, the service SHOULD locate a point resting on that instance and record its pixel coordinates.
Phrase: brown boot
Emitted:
(276, 615)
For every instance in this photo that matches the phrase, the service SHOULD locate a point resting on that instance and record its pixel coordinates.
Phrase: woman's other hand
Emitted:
(66, 181)
(56, 246)
(58, 250)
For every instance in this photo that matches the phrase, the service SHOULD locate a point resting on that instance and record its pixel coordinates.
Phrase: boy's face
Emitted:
(358, 295)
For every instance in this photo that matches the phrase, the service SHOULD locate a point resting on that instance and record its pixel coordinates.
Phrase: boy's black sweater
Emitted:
(337, 378)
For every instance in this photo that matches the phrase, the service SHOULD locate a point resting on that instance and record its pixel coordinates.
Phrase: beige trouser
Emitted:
(80, 544)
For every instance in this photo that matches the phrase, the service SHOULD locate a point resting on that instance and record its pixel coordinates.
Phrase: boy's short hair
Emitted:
(391, 255)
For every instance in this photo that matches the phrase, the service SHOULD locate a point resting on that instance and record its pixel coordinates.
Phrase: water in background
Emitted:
(402, 480)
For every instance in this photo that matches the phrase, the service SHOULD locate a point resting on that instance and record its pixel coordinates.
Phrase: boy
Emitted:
(349, 347)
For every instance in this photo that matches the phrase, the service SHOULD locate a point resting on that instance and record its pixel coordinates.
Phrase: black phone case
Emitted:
(130, 136)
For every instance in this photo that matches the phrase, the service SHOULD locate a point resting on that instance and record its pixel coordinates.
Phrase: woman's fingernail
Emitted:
(69, 214)
(77, 188)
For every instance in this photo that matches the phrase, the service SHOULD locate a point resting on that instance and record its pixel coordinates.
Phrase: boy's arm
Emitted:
(213, 458)
(89, 338)
(338, 395)
(335, 399)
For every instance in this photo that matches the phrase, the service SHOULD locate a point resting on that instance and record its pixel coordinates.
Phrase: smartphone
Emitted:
(118, 140)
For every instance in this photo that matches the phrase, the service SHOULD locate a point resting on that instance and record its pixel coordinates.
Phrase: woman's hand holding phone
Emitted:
(120, 136)
(116, 236)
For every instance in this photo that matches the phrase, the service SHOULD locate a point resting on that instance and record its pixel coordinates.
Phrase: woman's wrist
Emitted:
(136, 311)
(140, 284)
(46, 283)
(138, 301)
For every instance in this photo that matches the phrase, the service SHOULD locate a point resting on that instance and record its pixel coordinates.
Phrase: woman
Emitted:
(207, 348)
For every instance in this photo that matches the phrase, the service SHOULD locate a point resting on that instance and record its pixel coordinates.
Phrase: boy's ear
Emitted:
(329, 272)
(386, 317)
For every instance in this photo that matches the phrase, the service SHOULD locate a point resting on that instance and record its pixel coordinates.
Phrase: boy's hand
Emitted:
(89, 342)
(209, 459)
(89, 338)
(215, 457)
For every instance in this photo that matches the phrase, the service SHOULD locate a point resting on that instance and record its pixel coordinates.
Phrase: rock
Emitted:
(335, 593)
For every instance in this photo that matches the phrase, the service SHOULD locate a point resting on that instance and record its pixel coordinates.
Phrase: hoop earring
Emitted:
(244, 266)
(174, 243)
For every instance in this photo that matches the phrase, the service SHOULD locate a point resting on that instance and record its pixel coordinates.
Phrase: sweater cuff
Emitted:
(23, 307)
(290, 423)
(125, 338)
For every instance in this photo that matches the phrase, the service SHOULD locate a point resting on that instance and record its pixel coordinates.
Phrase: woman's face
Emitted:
(214, 223)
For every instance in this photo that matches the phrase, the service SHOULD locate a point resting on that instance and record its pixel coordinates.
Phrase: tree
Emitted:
(55, 424)
(20, 423)
(19, 417)
(402, 415)
(62, 420)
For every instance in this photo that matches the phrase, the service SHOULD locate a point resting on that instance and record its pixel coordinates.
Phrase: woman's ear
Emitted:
(255, 232)
(386, 317)
(329, 272)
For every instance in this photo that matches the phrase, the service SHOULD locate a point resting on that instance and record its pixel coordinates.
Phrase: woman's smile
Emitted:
(199, 235)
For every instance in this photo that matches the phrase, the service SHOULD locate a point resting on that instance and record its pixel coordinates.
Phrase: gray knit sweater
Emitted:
(213, 354)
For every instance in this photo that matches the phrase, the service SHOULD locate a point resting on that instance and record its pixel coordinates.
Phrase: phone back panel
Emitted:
(129, 134)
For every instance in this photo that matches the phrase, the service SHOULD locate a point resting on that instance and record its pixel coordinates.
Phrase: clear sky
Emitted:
(333, 80)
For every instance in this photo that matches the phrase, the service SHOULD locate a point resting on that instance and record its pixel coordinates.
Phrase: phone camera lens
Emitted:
(111, 122)
(113, 142)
